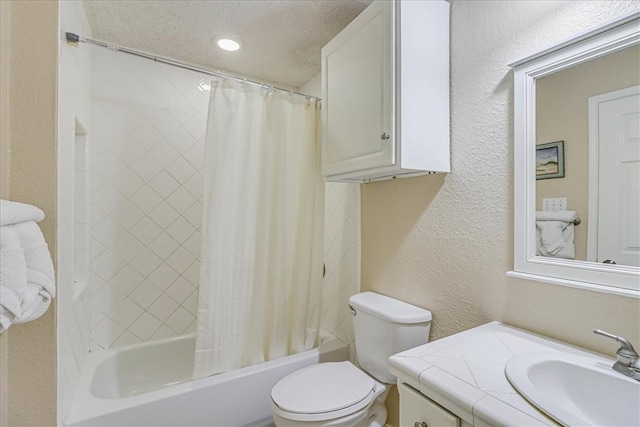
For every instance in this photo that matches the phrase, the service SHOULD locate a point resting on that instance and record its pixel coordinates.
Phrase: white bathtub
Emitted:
(149, 385)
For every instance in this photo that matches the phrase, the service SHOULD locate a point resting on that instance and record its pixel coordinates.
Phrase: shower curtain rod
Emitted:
(75, 40)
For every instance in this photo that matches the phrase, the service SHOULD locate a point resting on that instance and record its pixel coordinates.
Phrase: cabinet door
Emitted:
(420, 411)
(357, 94)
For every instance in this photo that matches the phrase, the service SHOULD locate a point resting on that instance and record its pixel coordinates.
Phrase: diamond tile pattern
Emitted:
(146, 192)
(164, 214)
(342, 259)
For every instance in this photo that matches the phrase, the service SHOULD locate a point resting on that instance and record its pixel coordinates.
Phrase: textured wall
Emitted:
(32, 117)
(282, 39)
(445, 242)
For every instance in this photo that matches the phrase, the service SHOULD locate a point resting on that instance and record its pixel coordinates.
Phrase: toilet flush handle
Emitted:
(353, 310)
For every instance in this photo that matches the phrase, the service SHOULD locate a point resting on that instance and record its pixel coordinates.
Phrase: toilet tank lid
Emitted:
(389, 309)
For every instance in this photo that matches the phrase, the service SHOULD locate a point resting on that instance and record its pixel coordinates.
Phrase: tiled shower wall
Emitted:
(342, 259)
(146, 190)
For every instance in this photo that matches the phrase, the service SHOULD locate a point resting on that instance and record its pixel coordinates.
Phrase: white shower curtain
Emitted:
(261, 274)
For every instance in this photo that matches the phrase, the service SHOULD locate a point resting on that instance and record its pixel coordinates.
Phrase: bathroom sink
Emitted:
(576, 390)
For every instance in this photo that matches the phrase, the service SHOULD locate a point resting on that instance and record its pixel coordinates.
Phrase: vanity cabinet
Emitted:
(385, 91)
(417, 410)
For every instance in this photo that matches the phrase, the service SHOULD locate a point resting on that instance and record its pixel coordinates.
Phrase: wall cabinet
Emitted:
(385, 91)
(417, 410)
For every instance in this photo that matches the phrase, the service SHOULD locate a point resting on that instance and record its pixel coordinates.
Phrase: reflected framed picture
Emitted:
(550, 160)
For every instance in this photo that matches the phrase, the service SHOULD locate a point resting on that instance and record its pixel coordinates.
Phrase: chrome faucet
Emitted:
(628, 360)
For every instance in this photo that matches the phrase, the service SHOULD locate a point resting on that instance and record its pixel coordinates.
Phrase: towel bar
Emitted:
(576, 221)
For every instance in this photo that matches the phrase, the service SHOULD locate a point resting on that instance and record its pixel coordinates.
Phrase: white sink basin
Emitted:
(576, 390)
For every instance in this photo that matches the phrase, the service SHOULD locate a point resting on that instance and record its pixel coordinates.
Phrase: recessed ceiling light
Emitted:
(227, 43)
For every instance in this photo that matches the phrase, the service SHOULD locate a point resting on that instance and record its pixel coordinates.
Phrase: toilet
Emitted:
(341, 394)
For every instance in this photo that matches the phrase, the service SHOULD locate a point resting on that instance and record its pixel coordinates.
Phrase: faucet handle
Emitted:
(626, 350)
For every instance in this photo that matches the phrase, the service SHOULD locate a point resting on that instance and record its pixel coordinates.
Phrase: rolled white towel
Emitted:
(35, 304)
(15, 212)
(13, 276)
(40, 287)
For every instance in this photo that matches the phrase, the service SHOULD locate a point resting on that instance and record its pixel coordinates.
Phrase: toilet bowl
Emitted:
(329, 394)
(341, 394)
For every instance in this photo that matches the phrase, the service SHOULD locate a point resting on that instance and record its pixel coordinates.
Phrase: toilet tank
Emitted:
(384, 326)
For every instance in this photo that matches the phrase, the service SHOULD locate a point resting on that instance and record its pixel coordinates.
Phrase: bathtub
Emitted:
(149, 384)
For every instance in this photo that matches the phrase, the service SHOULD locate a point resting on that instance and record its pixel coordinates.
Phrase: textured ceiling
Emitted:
(282, 39)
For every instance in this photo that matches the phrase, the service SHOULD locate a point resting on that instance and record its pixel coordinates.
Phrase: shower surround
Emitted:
(146, 150)
(146, 192)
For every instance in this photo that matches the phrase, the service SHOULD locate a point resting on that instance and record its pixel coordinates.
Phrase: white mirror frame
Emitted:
(614, 279)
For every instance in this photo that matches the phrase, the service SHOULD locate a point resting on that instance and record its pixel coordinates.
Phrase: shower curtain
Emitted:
(261, 261)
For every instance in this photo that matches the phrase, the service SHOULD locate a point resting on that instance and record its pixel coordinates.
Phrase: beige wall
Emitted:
(4, 99)
(562, 114)
(29, 384)
(445, 242)
(4, 186)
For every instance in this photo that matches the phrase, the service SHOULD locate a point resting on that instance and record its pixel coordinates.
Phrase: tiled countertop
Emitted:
(465, 373)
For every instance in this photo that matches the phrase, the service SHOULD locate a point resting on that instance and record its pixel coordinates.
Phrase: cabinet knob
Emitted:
(420, 424)
(384, 136)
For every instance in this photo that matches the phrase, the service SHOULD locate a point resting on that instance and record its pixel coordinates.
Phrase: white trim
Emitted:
(621, 280)
(593, 194)
(578, 38)
(574, 284)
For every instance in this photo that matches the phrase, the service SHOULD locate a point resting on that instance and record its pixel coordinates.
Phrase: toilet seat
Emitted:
(324, 391)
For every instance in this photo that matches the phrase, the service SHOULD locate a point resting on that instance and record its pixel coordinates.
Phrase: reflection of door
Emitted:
(614, 188)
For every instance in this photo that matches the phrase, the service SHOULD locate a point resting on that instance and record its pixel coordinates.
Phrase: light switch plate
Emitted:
(554, 204)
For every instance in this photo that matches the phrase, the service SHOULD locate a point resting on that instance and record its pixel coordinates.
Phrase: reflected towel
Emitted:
(554, 234)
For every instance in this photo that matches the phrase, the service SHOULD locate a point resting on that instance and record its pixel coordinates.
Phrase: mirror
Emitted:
(577, 165)
(603, 95)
